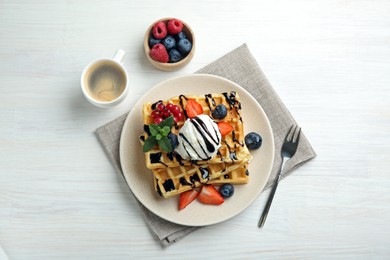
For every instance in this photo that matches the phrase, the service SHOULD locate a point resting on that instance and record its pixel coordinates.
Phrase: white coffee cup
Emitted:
(104, 81)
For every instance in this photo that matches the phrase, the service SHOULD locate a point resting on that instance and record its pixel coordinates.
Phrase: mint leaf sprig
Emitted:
(159, 135)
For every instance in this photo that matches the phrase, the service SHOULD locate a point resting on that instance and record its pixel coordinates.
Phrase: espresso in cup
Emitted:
(105, 81)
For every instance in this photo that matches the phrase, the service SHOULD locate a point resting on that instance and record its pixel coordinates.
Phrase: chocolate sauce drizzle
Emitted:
(202, 129)
(183, 181)
(146, 129)
(185, 143)
(208, 98)
(201, 147)
(232, 154)
(220, 156)
(154, 105)
(235, 139)
(194, 178)
(174, 155)
(178, 159)
(233, 102)
(169, 185)
(205, 173)
(181, 97)
(156, 158)
(210, 140)
(170, 156)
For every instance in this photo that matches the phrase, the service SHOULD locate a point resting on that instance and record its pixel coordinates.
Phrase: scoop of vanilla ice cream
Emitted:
(199, 139)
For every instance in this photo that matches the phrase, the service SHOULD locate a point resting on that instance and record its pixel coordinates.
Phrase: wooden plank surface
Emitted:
(329, 61)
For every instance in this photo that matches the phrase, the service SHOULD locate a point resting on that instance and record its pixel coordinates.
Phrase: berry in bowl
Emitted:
(169, 44)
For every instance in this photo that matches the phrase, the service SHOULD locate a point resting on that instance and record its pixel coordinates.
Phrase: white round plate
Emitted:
(140, 179)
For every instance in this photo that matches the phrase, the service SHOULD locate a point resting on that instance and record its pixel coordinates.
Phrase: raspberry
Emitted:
(159, 53)
(158, 120)
(174, 26)
(159, 30)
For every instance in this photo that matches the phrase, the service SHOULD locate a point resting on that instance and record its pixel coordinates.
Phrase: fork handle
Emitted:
(271, 195)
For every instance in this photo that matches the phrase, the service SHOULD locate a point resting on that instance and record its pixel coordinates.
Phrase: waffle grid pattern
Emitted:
(173, 176)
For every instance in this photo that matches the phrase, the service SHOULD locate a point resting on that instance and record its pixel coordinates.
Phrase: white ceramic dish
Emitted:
(115, 61)
(140, 179)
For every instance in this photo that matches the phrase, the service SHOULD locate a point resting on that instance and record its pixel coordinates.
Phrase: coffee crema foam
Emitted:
(105, 81)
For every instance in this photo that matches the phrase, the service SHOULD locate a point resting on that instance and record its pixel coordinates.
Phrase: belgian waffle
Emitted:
(173, 176)
(175, 180)
(233, 149)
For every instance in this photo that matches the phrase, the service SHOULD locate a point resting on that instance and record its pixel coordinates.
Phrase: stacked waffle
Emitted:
(174, 175)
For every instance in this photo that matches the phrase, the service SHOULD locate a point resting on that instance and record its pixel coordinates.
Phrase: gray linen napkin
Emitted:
(240, 67)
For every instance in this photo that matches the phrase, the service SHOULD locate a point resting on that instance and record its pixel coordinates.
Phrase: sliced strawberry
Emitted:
(187, 197)
(224, 128)
(193, 108)
(210, 195)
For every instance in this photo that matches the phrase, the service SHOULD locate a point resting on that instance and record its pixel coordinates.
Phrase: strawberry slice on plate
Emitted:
(193, 108)
(210, 195)
(187, 197)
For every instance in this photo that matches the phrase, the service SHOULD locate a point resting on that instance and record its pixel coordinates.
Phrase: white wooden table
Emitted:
(60, 198)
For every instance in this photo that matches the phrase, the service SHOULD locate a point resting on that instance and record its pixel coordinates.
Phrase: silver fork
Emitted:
(289, 148)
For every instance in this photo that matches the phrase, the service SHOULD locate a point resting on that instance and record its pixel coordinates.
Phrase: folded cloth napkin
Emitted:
(240, 67)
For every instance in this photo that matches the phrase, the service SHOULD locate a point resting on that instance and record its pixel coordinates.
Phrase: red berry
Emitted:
(165, 113)
(209, 195)
(169, 106)
(187, 197)
(175, 119)
(160, 107)
(224, 128)
(175, 110)
(159, 30)
(174, 26)
(158, 120)
(193, 108)
(159, 53)
(155, 113)
(179, 116)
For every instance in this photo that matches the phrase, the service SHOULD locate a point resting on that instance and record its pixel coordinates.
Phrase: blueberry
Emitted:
(226, 190)
(180, 35)
(174, 56)
(219, 112)
(173, 139)
(152, 41)
(184, 46)
(169, 42)
(253, 140)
